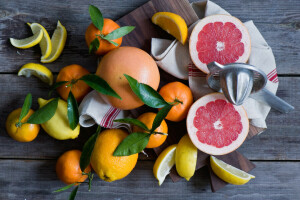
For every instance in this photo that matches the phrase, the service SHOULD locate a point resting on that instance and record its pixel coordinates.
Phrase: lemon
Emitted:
(173, 24)
(58, 41)
(45, 43)
(38, 70)
(229, 173)
(186, 157)
(27, 42)
(58, 126)
(164, 163)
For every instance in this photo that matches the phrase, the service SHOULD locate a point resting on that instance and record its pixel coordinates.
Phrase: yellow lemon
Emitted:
(40, 71)
(58, 41)
(45, 43)
(27, 42)
(58, 126)
(173, 24)
(108, 167)
(164, 163)
(186, 157)
(229, 173)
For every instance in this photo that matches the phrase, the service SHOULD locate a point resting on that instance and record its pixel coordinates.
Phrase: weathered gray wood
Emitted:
(280, 142)
(37, 179)
(277, 20)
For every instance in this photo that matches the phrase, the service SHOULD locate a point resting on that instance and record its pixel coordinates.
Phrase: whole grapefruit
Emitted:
(133, 62)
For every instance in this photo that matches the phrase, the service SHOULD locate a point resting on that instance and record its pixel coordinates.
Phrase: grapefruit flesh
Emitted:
(220, 38)
(134, 62)
(215, 126)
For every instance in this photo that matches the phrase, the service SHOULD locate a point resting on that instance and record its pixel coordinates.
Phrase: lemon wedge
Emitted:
(164, 163)
(40, 71)
(173, 24)
(58, 41)
(45, 42)
(27, 42)
(229, 173)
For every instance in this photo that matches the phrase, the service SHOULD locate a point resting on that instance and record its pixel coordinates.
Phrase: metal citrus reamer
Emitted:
(238, 81)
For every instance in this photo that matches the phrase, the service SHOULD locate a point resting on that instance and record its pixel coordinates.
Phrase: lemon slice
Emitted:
(58, 41)
(173, 24)
(27, 42)
(45, 42)
(40, 71)
(164, 163)
(229, 173)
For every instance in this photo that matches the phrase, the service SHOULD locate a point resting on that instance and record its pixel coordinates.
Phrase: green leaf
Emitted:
(87, 150)
(99, 84)
(73, 193)
(26, 106)
(94, 45)
(120, 32)
(132, 144)
(146, 93)
(65, 188)
(44, 113)
(110, 41)
(161, 115)
(56, 85)
(73, 113)
(133, 122)
(96, 17)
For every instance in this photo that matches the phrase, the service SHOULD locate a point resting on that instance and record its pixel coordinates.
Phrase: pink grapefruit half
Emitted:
(215, 126)
(220, 38)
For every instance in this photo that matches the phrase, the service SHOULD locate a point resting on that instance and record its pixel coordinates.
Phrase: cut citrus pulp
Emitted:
(173, 24)
(229, 173)
(164, 163)
(220, 38)
(45, 42)
(215, 126)
(58, 41)
(27, 42)
(40, 71)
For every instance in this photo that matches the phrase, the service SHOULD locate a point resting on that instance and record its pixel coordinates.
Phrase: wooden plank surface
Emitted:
(28, 169)
(36, 179)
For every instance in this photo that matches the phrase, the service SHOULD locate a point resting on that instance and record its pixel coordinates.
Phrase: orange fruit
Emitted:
(105, 46)
(25, 133)
(72, 73)
(134, 62)
(108, 167)
(68, 168)
(155, 139)
(177, 91)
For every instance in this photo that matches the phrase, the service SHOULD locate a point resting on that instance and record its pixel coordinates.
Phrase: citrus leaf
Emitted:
(26, 106)
(94, 45)
(133, 122)
(132, 144)
(73, 113)
(73, 193)
(120, 32)
(99, 84)
(96, 17)
(65, 188)
(110, 41)
(44, 113)
(161, 133)
(87, 150)
(56, 85)
(146, 93)
(161, 115)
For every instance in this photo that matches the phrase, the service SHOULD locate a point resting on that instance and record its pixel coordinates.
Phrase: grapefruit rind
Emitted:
(209, 149)
(212, 19)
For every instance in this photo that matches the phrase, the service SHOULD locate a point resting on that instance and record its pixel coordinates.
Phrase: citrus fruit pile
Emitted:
(127, 78)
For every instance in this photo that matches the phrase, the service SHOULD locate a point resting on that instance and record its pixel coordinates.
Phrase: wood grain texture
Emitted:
(36, 179)
(278, 22)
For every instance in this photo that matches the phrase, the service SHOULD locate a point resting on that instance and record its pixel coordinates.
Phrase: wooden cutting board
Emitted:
(141, 38)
